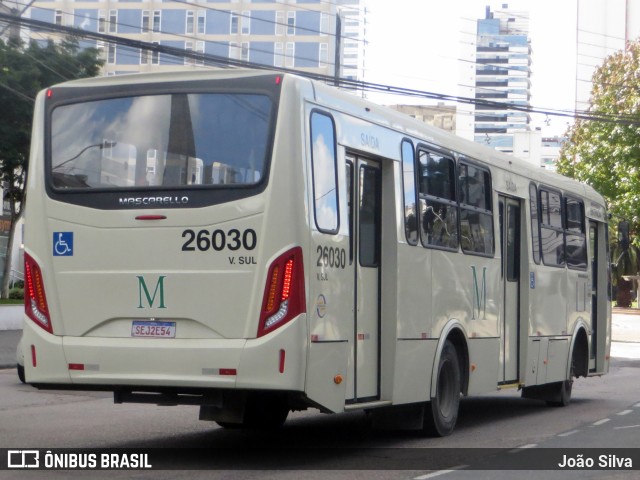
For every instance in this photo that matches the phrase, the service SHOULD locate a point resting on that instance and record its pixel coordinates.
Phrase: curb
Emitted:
(11, 317)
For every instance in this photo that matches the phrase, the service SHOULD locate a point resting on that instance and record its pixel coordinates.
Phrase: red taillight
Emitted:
(35, 300)
(284, 292)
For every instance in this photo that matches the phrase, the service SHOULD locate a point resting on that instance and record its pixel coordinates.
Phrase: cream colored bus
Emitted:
(254, 243)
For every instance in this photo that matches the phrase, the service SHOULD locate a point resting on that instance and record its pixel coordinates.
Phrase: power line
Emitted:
(219, 61)
(273, 22)
(197, 38)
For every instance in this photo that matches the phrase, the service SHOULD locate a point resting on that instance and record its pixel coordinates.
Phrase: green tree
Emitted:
(605, 153)
(26, 69)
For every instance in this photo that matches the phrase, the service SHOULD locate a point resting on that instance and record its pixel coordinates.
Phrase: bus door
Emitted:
(365, 217)
(600, 291)
(593, 241)
(510, 248)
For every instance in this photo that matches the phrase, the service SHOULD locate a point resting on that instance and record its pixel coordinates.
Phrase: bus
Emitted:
(255, 243)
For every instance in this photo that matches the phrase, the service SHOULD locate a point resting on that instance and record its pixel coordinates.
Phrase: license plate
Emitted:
(153, 329)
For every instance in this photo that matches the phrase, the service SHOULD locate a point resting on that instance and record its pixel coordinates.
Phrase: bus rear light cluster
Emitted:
(35, 300)
(284, 292)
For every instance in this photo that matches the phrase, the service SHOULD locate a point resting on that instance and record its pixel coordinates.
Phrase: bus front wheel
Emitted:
(441, 413)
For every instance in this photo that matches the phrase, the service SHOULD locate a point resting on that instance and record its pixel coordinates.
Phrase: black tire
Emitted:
(561, 393)
(262, 412)
(265, 412)
(441, 413)
(562, 390)
(20, 369)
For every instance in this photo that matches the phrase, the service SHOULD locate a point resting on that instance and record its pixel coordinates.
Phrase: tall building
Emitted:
(496, 68)
(300, 34)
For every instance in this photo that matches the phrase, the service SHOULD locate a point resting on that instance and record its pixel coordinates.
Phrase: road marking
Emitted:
(637, 405)
(624, 412)
(600, 422)
(627, 426)
(566, 434)
(439, 473)
(523, 447)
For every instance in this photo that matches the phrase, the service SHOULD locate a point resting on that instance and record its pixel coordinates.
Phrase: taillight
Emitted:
(35, 300)
(284, 292)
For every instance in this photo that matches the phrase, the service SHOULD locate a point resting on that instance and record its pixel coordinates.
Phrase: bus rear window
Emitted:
(154, 141)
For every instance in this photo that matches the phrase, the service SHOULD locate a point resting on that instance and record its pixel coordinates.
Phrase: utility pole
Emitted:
(338, 50)
(13, 27)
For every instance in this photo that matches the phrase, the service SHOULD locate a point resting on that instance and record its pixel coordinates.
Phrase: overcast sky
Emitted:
(417, 43)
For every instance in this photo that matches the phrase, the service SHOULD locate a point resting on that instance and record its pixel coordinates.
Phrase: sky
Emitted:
(417, 43)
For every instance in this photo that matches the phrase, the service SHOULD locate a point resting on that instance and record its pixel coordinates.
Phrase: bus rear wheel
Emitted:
(266, 411)
(441, 413)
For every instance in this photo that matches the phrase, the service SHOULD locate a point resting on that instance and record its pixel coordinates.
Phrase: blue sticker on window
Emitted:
(62, 244)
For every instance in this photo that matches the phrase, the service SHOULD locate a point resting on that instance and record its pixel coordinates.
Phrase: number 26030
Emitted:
(332, 257)
(219, 240)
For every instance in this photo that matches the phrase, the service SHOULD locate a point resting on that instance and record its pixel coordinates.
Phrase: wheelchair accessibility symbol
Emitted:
(62, 244)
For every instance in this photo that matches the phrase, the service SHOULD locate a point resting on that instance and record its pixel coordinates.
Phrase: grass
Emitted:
(9, 301)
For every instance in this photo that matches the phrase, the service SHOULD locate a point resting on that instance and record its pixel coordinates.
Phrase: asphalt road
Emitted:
(335, 446)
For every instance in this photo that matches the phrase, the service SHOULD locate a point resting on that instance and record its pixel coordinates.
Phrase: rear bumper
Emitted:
(107, 363)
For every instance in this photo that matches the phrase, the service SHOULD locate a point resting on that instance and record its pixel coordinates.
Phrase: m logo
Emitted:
(144, 295)
(479, 295)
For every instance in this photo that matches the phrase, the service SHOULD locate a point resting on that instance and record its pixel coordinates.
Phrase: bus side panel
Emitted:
(557, 359)
(483, 353)
(414, 281)
(327, 374)
(414, 367)
(46, 349)
(466, 288)
(549, 301)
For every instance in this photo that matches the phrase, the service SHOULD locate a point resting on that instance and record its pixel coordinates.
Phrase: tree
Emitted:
(25, 70)
(605, 153)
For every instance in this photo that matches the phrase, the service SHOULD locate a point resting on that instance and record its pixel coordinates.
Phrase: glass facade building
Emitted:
(298, 34)
(500, 80)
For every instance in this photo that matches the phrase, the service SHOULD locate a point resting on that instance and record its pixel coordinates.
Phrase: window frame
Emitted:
(291, 23)
(190, 22)
(536, 243)
(201, 22)
(322, 229)
(234, 23)
(451, 157)
(547, 226)
(113, 21)
(245, 22)
(573, 233)
(145, 21)
(465, 207)
(409, 143)
(156, 24)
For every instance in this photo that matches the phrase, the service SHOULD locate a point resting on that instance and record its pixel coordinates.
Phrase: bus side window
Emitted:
(551, 230)
(349, 174)
(409, 184)
(575, 234)
(323, 158)
(476, 215)
(438, 206)
(535, 222)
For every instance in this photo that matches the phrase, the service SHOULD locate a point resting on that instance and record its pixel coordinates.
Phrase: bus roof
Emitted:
(368, 111)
